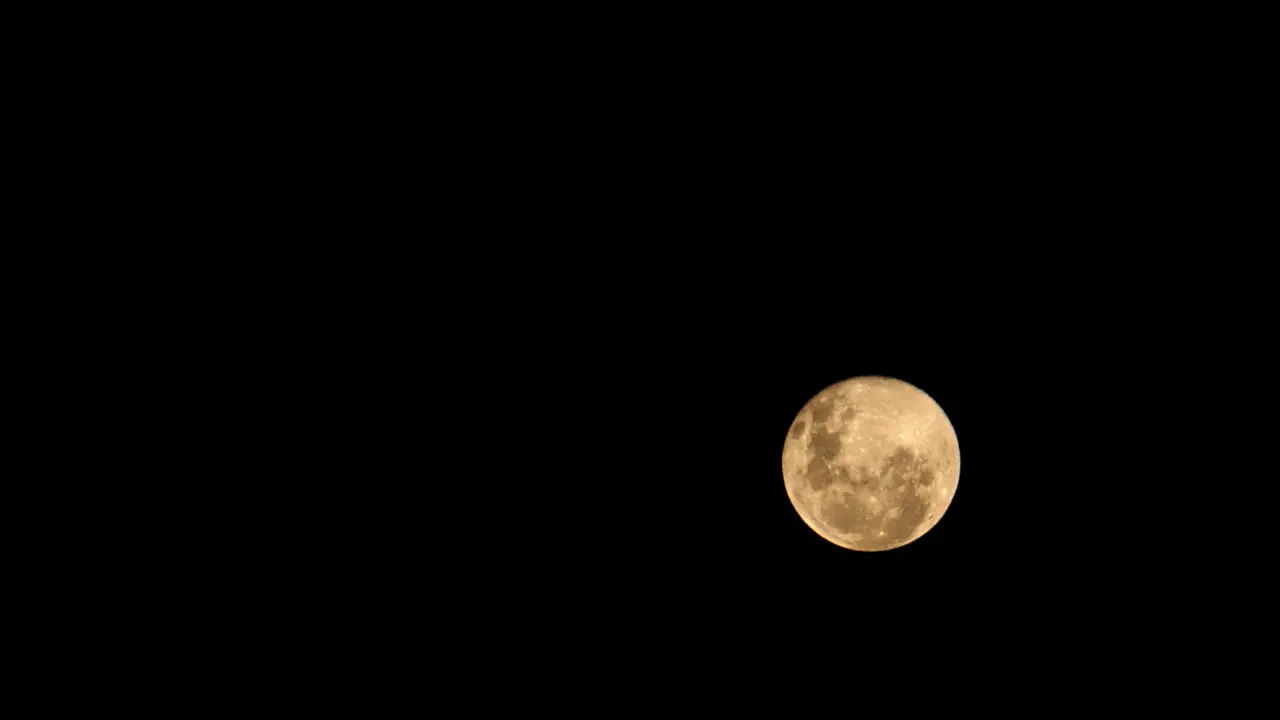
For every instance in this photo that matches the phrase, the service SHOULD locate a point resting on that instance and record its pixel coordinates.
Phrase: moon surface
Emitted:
(871, 463)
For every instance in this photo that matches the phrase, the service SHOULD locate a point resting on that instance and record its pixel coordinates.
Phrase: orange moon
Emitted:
(871, 463)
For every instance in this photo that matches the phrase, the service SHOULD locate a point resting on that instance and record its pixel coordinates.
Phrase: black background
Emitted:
(510, 335)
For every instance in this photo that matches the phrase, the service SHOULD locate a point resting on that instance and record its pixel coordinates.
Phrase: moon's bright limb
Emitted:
(871, 463)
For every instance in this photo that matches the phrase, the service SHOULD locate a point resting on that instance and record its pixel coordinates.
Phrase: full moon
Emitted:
(871, 463)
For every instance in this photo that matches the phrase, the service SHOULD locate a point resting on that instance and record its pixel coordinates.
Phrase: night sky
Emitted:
(474, 345)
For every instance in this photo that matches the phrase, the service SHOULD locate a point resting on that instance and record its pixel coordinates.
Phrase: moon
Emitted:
(871, 463)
